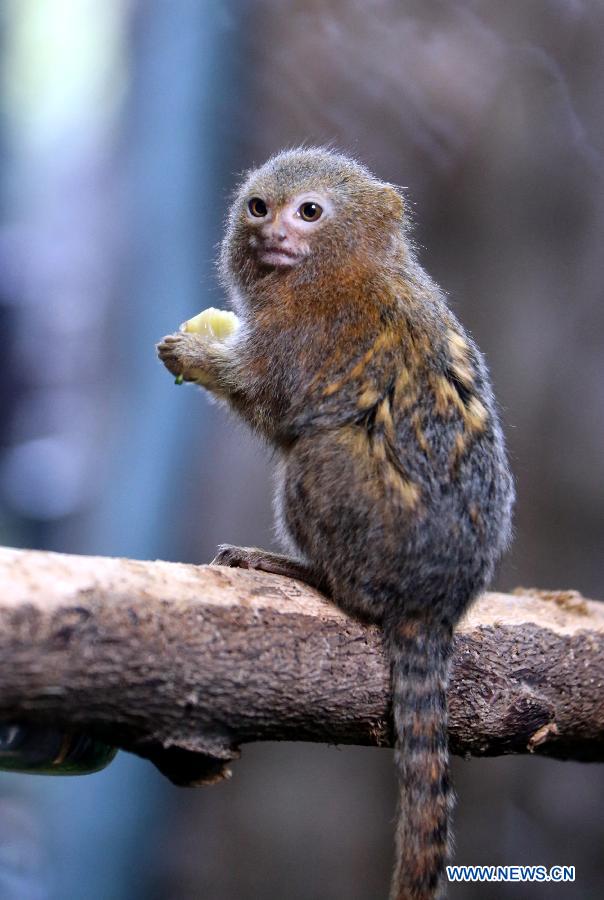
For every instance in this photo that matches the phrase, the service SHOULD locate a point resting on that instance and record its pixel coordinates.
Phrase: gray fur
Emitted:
(394, 491)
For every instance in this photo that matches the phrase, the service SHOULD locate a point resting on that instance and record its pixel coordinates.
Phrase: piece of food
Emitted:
(215, 324)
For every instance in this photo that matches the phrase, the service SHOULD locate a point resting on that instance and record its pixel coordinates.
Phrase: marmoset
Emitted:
(394, 494)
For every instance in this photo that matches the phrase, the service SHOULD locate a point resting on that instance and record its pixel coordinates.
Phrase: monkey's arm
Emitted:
(208, 363)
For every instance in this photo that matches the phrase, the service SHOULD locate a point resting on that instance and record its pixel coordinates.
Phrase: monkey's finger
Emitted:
(170, 339)
(228, 555)
(167, 347)
(171, 360)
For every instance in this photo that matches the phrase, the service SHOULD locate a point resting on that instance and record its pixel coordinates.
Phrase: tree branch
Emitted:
(182, 663)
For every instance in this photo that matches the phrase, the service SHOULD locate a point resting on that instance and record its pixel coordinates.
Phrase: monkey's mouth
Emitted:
(273, 255)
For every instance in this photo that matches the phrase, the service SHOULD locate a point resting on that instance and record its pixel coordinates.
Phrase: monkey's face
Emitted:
(308, 215)
(281, 234)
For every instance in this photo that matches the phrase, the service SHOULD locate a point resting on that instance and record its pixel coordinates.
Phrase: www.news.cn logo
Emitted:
(511, 873)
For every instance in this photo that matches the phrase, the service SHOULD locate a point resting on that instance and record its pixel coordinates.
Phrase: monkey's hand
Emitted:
(192, 358)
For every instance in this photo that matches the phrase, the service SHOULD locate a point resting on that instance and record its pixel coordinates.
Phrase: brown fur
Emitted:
(393, 489)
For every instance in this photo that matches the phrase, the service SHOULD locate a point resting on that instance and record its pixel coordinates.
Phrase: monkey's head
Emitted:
(307, 213)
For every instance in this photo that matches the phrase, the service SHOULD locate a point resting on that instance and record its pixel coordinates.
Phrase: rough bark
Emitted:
(184, 663)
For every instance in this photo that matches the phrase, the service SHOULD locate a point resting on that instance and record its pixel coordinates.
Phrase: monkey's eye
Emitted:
(310, 211)
(257, 207)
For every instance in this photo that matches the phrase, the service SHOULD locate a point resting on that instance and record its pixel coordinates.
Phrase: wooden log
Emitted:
(184, 663)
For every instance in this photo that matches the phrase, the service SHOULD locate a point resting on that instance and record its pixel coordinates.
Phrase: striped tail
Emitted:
(420, 663)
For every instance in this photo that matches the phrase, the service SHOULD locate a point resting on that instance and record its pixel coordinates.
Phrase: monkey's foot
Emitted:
(183, 355)
(274, 563)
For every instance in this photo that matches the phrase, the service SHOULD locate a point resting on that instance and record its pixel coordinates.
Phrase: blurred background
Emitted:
(123, 127)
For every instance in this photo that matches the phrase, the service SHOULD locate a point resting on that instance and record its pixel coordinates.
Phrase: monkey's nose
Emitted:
(274, 234)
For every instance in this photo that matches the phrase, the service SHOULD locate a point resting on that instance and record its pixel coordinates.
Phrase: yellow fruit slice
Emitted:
(215, 324)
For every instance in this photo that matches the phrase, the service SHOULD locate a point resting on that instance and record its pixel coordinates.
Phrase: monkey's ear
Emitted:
(394, 200)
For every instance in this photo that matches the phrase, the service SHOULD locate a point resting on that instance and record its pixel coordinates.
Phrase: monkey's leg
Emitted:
(274, 563)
